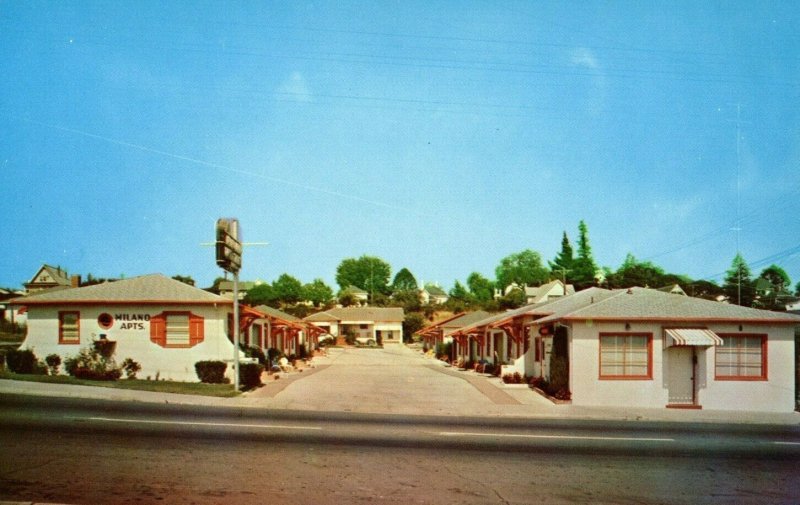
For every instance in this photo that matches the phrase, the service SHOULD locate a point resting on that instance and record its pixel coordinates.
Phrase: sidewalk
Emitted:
(314, 389)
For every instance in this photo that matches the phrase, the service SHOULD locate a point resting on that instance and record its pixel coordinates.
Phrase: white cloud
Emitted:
(296, 88)
(582, 57)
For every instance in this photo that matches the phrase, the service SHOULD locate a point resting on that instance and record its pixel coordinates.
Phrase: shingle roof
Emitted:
(434, 290)
(382, 314)
(271, 311)
(651, 304)
(155, 288)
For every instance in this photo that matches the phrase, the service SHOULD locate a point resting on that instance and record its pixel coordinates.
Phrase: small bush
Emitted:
(254, 352)
(211, 372)
(53, 363)
(21, 361)
(131, 368)
(105, 348)
(90, 364)
(515, 378)
(443, 350)
(250, 375)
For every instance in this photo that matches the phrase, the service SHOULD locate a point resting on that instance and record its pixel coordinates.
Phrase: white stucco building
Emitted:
(376, 324)
(647, 348)
(164, 324)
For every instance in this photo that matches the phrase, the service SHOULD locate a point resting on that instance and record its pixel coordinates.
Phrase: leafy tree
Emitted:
(777, 276)
(288, 289)
(412, 323)
(480, 287)
(797, 289)
(317, 292)
(584, 268)
(637, 273)
(738, 285)
(347, 299)
(262, 294)
(367, 272)
(523, 268)
(215, 285)
(459, 292)
(514, 299)
(184, 279)
(409, 299)
(780, 282)
(404, 281)
(704, 289)
(561, 266)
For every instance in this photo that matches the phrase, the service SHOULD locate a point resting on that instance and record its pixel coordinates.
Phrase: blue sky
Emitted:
(440, 136)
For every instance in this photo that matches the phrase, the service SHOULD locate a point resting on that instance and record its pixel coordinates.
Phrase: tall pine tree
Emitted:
(584, 269)
(561, 266)
(738, 286)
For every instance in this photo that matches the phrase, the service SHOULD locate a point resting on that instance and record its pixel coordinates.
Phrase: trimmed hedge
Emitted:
(211, 372)
(21, 361)
(250, 375)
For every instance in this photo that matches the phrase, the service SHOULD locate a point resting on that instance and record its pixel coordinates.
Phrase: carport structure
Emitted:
(266, 327)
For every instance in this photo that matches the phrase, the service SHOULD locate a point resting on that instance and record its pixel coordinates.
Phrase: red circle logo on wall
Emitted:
(105, 320)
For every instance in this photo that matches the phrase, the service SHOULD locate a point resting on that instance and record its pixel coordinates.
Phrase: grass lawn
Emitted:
(185, 388)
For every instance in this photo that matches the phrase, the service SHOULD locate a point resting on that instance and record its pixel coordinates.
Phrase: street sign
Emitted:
(229, 245)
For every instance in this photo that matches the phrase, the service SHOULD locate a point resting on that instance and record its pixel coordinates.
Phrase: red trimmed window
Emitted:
(741, 357)
(626, 356)
(176, 329)
(69, 327)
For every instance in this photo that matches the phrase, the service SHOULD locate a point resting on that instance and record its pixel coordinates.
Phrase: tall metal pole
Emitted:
(236, 330)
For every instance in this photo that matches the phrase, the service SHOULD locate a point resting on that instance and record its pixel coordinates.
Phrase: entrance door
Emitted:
(680, 373)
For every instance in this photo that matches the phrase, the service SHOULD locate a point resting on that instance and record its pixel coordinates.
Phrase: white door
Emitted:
(679, 375)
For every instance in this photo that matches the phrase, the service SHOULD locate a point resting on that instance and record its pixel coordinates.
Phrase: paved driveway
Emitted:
(398, 380)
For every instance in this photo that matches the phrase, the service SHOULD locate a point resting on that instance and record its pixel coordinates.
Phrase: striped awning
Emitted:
(691, 336)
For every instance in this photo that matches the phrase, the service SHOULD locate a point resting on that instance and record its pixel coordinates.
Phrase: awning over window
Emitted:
(691, 336)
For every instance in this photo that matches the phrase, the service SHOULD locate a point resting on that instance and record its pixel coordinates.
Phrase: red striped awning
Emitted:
(692, 336)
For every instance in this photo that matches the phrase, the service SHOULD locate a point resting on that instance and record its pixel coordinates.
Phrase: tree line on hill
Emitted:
(371, 277)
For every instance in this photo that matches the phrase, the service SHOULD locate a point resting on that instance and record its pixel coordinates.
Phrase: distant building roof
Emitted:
(382, 314)
(271, 311)
(434, 290)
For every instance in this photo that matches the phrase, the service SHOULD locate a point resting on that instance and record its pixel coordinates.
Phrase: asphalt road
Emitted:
(91, 451)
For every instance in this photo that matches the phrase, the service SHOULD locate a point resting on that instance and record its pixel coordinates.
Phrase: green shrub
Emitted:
(105, 348)
(53, 363)
(21, 361)
(443, 350)
(91, 364)
(250, 375)
(211, 372)
(131, 368)
(273, 355)
(559, 375)
(254, 352)
(515, 378)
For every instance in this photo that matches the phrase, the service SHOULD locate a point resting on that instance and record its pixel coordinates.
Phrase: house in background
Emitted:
(675, 289)
(226, 288)
(49, 277)
(378, 325)
(165, 325)
(433, 294)
(538, 294)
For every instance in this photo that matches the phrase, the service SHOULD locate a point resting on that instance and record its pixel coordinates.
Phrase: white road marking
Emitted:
(551, 437)
(197, 423)
(786, 443)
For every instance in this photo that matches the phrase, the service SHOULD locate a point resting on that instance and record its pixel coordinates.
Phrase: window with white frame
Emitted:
(626, 356)
(178, 329)
(741, 357)
(69, 328)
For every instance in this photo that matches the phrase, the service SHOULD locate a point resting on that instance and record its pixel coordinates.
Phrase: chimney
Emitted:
(75, 281)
